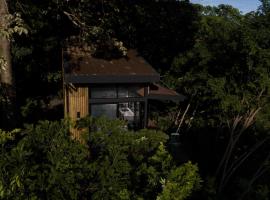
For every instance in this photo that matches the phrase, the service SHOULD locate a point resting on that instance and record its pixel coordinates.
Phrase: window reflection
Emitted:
(131, 112)
(131, 91)
(103, 92)
(122, 92)
(107, 110)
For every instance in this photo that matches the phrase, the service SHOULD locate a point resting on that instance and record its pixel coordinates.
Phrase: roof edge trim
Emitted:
(71, 78)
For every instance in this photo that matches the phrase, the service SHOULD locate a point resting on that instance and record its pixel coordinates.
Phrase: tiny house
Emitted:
(116, 88)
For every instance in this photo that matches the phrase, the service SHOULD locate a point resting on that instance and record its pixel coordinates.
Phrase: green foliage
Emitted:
(3, 63)
(226, 75)
(13, 24)
(265, 6)
(7, 136)
(45, 163)
(226, 68)
(125, 162)
(259, 191)
(157, 28)
(28, 107)
(54, 77)
(180, 183)
(262, 192)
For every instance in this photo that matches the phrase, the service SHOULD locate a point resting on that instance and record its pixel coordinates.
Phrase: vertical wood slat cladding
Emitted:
(77, 101)
(65, 101)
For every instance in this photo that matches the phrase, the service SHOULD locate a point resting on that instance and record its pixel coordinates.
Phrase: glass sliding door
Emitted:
(106, 110)
(123, 101)
(130, 112)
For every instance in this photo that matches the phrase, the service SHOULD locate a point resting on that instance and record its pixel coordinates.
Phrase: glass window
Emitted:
(131, 91)
(134, 91)
(131, 112)
(103, 92)
(107, 110)
(122, 92)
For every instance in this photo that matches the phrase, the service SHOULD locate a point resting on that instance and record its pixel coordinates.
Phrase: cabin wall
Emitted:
(76, 105)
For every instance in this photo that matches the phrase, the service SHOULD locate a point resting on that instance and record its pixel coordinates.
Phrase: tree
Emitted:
(226, 68)
(181, 183)
(43, 162)
(6, 69)
(265, 6)
(226, 76)
(9, 24)
(135, 164)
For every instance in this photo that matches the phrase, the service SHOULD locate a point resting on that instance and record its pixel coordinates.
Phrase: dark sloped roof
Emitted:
(81, 67)
(159, 92)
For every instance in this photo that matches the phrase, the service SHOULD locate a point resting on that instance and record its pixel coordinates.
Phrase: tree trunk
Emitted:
(7, 89)
(6, 74)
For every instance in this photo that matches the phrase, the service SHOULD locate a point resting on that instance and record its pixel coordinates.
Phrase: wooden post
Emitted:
(146, 106)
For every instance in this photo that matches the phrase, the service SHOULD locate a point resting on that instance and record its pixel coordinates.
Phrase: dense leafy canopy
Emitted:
(43, 162)
(226, 76)
(227, 67)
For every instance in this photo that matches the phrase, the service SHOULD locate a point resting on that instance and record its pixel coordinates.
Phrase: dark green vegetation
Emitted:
(217, 57)
(45, 163)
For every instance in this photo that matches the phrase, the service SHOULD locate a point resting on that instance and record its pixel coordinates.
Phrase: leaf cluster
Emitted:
(227, 67)
(43, 162)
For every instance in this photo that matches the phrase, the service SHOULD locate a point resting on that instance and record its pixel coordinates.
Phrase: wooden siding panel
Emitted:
(77, 100)
(65, 89)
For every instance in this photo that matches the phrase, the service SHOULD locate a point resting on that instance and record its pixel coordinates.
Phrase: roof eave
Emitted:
(84, 79)
(175, 98)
